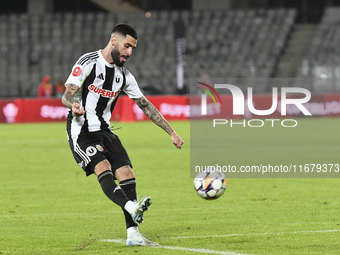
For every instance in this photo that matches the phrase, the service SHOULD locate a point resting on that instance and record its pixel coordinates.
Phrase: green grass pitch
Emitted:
(48, 206)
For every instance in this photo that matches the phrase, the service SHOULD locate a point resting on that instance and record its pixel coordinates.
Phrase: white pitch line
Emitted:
(255, 234)
(206, 251)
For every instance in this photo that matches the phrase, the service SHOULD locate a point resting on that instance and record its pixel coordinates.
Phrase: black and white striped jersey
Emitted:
(99, 85)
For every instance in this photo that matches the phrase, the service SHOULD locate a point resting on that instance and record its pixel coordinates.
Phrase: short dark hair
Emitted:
(125, 29)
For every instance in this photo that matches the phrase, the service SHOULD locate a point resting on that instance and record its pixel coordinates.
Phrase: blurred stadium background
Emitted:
(41, 211)
(224, 38)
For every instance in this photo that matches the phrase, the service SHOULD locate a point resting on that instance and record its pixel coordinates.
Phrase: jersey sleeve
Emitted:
(131, 88)
(78, 74)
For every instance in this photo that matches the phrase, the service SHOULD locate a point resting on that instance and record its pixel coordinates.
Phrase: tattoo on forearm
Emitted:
(153, 114)
(68, 99)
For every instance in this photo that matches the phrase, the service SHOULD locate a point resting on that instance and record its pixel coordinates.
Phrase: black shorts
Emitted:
(93, 147)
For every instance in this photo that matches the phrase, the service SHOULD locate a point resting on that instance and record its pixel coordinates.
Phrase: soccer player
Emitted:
(92, 90)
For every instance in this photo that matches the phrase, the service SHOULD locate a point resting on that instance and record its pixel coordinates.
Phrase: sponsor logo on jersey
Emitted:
(103, 92)
(117, 79)
(76, 71)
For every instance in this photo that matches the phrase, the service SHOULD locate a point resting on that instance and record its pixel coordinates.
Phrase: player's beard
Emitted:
(115, 54)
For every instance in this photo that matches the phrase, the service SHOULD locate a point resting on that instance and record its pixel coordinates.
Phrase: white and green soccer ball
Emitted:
(210, 185)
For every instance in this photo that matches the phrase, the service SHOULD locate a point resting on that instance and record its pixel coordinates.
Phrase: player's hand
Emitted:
(176, 140)
(79, 111)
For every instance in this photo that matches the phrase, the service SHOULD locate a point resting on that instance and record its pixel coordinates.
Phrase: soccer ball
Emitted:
(210, 185)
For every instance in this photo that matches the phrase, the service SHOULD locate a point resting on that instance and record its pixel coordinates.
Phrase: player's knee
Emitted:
(102, 166)
(130, 174)
(124, 173)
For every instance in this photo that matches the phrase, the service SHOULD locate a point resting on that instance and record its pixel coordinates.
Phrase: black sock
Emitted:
(129, 188)
(111, 189)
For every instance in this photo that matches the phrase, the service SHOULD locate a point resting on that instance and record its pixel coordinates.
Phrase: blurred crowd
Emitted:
(46, 89)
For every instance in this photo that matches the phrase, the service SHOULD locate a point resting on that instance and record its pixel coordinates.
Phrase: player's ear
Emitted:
(113, 40)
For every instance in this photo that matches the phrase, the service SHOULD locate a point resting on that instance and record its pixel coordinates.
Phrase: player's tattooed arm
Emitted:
(68, 99)
(153, 114)
(156, 117)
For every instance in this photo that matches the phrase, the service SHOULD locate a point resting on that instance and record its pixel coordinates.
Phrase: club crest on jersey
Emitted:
(90, 151)
(103, 92)
(99, 148)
